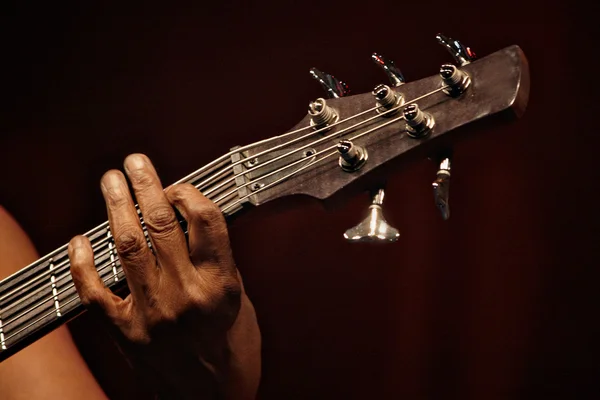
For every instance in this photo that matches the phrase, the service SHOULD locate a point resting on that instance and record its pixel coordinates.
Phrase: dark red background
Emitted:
(499, 302)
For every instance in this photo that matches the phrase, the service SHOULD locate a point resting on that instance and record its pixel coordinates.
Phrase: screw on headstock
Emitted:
(333, 86)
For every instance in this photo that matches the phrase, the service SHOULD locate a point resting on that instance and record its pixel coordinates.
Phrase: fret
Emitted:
(111, 251)
(42, 296)
(54, 291)
(2, 342)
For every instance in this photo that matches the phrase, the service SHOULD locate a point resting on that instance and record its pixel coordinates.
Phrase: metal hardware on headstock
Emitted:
(352, 157)
(426, 118)
(387, 99)
(457, 81)
(333, 86)
(374, 228)
(321, 115)
(441, 188)
(418, 123)
(462, 54)
(390, 69)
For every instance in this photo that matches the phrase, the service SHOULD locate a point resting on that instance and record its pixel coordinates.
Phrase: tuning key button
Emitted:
(418, 123)
(461, 53)
(441, 188)
(374, 228)
(455, 80)
(388, 101)
(389, 68)
(352, 157)
(333, 86)
(321, 115)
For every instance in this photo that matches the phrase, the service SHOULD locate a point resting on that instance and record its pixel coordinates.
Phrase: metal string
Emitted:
(105, 239)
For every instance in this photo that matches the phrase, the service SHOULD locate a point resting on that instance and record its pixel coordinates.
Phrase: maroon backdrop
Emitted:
(499, 302)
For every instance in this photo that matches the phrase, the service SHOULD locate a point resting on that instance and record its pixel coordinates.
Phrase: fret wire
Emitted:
(105, 225)
(217, 165)
(42, 275)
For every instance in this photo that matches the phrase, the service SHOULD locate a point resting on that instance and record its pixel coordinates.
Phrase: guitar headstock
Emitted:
(345, 141)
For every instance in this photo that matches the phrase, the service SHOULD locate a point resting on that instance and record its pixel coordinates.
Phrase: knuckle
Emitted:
(208, 213)
(220, 289)
(92, 298)
(140, 178)
(161, 220)
(130, 244)
(182, 190)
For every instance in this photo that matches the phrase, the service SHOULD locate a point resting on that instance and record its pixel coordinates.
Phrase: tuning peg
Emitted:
(374, 228)
(461, 53)
(389, 68)
(441, 188)
(333, 86)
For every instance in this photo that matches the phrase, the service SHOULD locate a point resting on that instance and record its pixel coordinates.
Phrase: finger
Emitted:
(207, 230)
(163, 228)
(90, 287)
(136, 258)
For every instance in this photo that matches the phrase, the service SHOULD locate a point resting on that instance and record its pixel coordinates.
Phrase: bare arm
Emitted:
(51, 367)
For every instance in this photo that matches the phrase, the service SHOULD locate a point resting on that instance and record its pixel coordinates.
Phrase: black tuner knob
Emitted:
(333, 86)
(388, 66)
(461, 53)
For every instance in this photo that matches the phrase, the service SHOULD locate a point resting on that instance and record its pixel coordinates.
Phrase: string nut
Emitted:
(457, 81)
(387, 100)
(418, 123)
(352, 157)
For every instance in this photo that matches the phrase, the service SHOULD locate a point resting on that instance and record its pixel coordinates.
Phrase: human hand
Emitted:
(187, 322)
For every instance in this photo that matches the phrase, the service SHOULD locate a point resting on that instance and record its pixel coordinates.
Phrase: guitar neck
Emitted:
(42, 296)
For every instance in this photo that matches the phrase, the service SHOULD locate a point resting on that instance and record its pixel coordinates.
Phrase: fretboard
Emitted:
(42, 296)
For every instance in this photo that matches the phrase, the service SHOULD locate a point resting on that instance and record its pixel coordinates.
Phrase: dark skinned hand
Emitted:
(187, 325)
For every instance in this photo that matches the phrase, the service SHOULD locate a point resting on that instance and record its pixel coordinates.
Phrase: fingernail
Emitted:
(76, 245)
(135, 161)
(111, 183)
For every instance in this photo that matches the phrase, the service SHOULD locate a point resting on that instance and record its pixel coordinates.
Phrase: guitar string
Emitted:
(203, 183)
(111, 263)
(238, 201)
(324, 139)
(60, 266)
(194, 175)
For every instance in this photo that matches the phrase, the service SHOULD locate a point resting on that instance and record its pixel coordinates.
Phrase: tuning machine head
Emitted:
(333, 86)
(462, 54)
(374, 228)
(388, 66)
